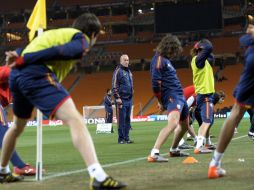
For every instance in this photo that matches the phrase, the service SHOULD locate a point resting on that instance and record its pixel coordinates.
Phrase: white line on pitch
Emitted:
(107, 165)
(83, 170)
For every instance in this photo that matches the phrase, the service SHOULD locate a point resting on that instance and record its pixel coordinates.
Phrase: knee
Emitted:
(237, 113)
(173, 122)
(73, 119)
(17, 130)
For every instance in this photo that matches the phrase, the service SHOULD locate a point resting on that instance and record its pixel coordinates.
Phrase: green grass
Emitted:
(60, 156)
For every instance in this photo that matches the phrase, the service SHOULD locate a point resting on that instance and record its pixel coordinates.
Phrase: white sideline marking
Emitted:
(83, 170)
(107, 165)
(240, 137)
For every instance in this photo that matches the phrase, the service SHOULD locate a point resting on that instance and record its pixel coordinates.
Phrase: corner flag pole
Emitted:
(37, 22)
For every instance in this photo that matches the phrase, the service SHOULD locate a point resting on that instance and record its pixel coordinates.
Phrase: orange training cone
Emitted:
(190, 160)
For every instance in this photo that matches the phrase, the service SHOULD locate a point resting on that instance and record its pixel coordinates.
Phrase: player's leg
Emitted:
(110, 116)
(106, 116)
(8, 147)
(128, 123)
(208, 143)
(251, 130)
(206, 112)
(180, 131)
(173, 120)
(121, 114)
(227, 131)
(225, 137)
(191, 131)
(83, 142)
(19, 165)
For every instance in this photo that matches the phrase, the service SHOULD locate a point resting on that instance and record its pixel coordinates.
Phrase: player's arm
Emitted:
(211, 58)
(115, 86)
(246, 40)
(71, 50)
(108, 101)
(4, 74)
(156, 78)
(203, 55)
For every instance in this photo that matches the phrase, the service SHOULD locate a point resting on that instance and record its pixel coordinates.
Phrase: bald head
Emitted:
(124, 60)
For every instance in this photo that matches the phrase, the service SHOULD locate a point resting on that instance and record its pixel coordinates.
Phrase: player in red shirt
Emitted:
(190, 96)
(20, 167)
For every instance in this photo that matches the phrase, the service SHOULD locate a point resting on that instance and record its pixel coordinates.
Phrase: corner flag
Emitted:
(37, 19)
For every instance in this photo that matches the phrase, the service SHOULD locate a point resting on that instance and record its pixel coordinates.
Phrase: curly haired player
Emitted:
(168, 90)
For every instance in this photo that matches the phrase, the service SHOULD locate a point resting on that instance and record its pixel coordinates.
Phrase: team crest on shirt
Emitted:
(178, 106)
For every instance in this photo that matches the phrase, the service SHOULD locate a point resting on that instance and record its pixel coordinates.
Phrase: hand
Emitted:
(160, 107)
(11, 57)
(119, 102)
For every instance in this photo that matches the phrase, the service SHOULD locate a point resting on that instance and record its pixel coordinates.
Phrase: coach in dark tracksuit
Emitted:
(108, 107)
(122, 87)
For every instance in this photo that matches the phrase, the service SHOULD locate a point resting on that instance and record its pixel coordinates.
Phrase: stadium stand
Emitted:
(130, 31)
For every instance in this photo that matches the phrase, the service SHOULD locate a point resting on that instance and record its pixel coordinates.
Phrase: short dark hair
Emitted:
(217, 96)
(88, 23)
(198, 46)
(169, 46)
(108, 89)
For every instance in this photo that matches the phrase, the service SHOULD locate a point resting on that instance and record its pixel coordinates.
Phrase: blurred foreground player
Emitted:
(244, 95)
(35, 82)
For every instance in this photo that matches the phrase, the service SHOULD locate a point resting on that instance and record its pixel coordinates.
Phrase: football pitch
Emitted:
(127, 162)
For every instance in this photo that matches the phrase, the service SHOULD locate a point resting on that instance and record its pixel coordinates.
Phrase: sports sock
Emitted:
(181, 142)
(208, 141)
(195, 140)
(96, 171)
(200, 141)
(173, 149)
(155, 151)
(5, 170)
(216, 160)
(16, 160)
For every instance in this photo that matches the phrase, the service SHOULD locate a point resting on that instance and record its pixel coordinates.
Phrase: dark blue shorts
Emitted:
(177, 103)
(244, 91)
(36, 86)
(205, 107)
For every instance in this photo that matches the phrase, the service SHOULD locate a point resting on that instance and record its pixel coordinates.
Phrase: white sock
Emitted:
(5, 170)
(155, 151)
(181, 142)
(173, 149)
(216, 160)
(195, 140)
(200, 141)
(208, 141)
(188, 135)
(96, 171)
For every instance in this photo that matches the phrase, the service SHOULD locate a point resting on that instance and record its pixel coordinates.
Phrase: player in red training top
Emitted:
(20, 167)
(190, 96)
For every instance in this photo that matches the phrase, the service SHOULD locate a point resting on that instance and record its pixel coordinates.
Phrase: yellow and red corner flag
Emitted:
(38, 18)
